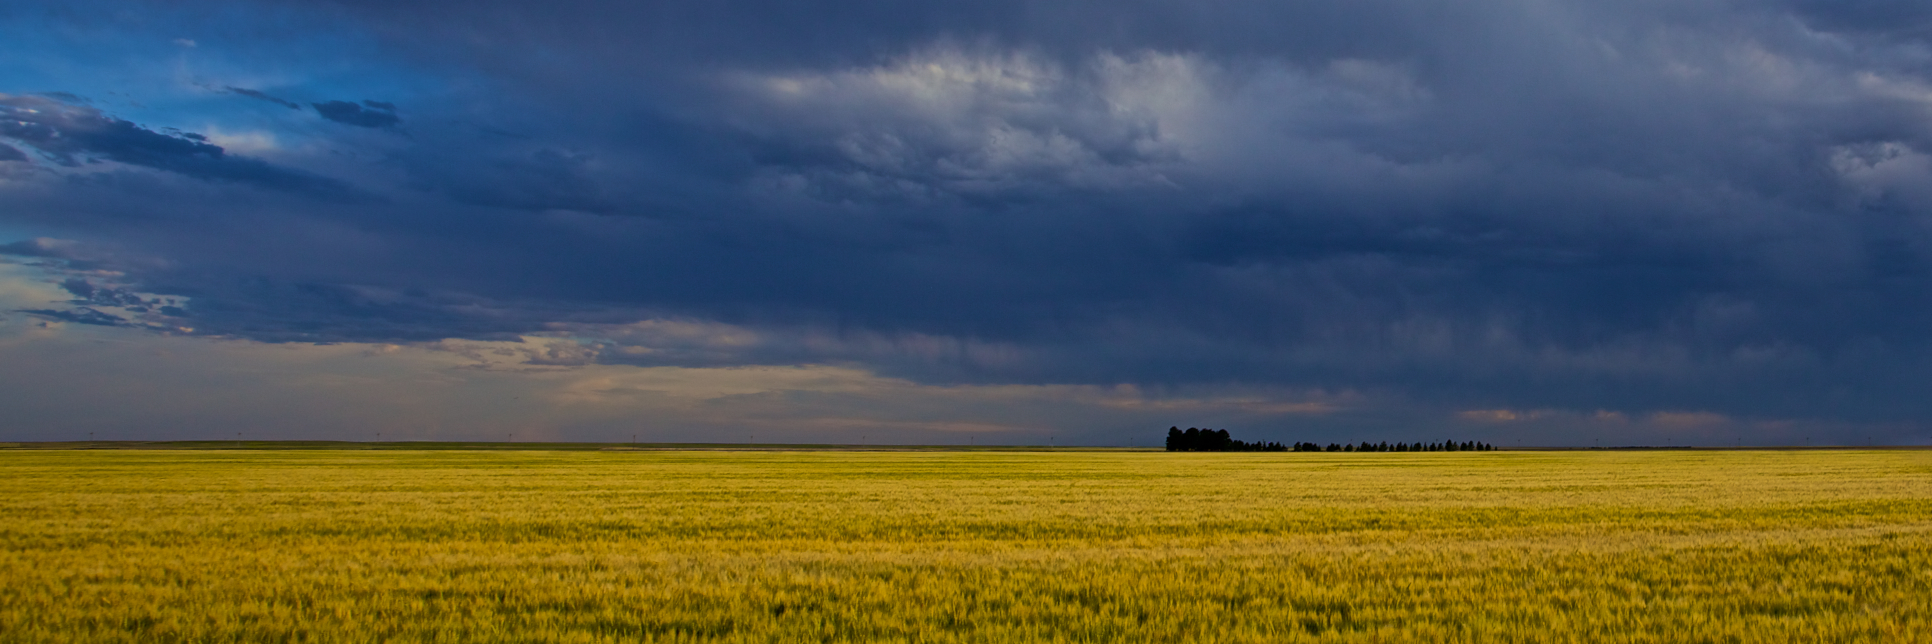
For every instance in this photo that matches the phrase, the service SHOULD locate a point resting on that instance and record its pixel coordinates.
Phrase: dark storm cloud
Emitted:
(72, 135)
(10, 153)
(371, 114)
(1626, 206)
(67, 97)
(260, 96)
(1905, 18)
(41, 247)
(273, 311)
(68, 133)
(81, 315)
(544, 179)
(87, 292)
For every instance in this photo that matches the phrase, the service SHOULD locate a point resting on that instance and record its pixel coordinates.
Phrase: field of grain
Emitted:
(803, 546)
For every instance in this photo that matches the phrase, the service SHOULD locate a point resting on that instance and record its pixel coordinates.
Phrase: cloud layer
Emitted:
(1516, 214)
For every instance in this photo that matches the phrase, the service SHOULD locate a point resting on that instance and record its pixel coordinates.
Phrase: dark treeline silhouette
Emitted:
(1218, 440)
(1214, 440)
(1365, 446)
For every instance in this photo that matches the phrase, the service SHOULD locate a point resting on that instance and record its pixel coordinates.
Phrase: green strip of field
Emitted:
(963, 546)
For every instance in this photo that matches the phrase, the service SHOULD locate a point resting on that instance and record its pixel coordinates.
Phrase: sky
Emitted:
(1526, 222)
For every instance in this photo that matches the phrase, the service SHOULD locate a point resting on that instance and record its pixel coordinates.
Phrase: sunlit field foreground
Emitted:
(686, 546)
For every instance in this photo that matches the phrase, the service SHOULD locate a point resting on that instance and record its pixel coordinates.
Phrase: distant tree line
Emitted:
(1445, 446)
(1218, 440)
(1214, 440)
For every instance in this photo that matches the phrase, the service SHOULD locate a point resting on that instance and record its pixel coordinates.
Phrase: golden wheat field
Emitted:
(830, 546)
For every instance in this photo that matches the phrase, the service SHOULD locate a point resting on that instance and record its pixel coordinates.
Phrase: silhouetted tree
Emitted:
(1197, 439)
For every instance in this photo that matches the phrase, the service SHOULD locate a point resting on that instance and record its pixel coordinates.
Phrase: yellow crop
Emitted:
(687, 546)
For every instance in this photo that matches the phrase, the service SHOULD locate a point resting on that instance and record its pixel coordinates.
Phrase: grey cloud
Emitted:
(96, 302)
(10, 153)
(261, 96)
(370, 115)
(72, 135)
(968, 123)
